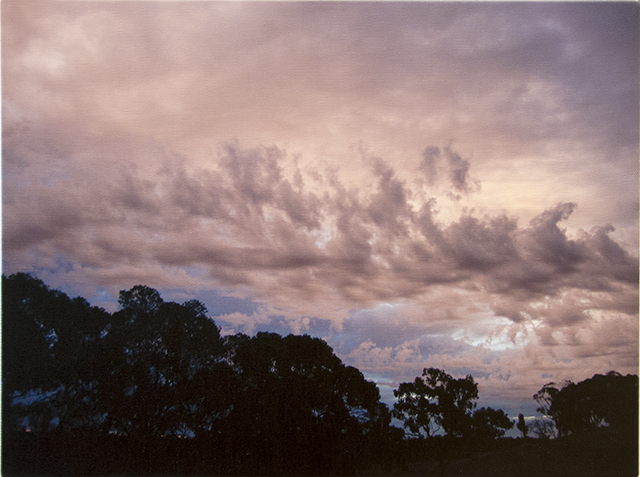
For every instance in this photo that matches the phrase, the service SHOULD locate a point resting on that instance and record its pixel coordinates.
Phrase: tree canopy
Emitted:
(603, 400)
(48, 345)
(155, 378)
(296, 398)
(156, 370)
(437, 401)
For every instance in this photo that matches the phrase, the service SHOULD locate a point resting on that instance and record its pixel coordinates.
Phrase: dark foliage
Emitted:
(603, 400)
(154, 388)
(298, 409)
(437, 401)
(49, 344)
(487, 423)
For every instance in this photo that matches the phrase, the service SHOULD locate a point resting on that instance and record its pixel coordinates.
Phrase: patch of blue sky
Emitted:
(60, 266)
(438, 344)
(33, 395)
(277, 325)
(512, 407)
(103, 298)
(103, 294)
(386, 393)
(215, 300)
(380, 325)
(195, 272)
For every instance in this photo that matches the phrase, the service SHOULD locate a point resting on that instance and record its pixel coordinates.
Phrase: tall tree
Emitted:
(298, 407)
(48, 354)
(609, 399)
(456, 399)
(417, 407)
(435, 400)
(165, 367)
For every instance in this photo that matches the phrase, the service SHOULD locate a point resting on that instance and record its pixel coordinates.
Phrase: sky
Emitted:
(449, 185)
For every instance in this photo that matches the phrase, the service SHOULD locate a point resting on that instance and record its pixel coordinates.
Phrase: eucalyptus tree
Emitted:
(436, 401)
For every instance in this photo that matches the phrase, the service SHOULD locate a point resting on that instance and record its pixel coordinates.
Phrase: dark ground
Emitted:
(601, 452)
(598, 453)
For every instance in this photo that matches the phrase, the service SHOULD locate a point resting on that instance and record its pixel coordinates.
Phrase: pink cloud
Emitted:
(452, 161)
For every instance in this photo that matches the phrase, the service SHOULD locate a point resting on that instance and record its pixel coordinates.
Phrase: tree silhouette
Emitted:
(438, 401)
(298, 408)
(112, 394)
(417, 407)
(154, 371)
(48, 355)
(544, 397)
(488, 423)
(610, 399)
(165, 369)
(455, 398)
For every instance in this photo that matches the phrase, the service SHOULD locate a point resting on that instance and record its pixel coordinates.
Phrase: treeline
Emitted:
(155, 389)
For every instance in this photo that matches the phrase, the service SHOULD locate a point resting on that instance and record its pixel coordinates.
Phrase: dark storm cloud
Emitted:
(388, 206)
(459, 171)
(428, 164)
(245, 219)
(481, 245)
(450, 164)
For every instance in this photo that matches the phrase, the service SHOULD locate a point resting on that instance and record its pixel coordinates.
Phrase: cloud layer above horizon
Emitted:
(421, 184)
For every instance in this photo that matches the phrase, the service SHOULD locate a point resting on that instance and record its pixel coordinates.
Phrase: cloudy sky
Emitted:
(421, 184)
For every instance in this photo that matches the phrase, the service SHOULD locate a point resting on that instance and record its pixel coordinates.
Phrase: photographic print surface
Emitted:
(446, 185)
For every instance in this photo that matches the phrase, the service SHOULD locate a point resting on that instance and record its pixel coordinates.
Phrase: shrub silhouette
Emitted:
(522, 426)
